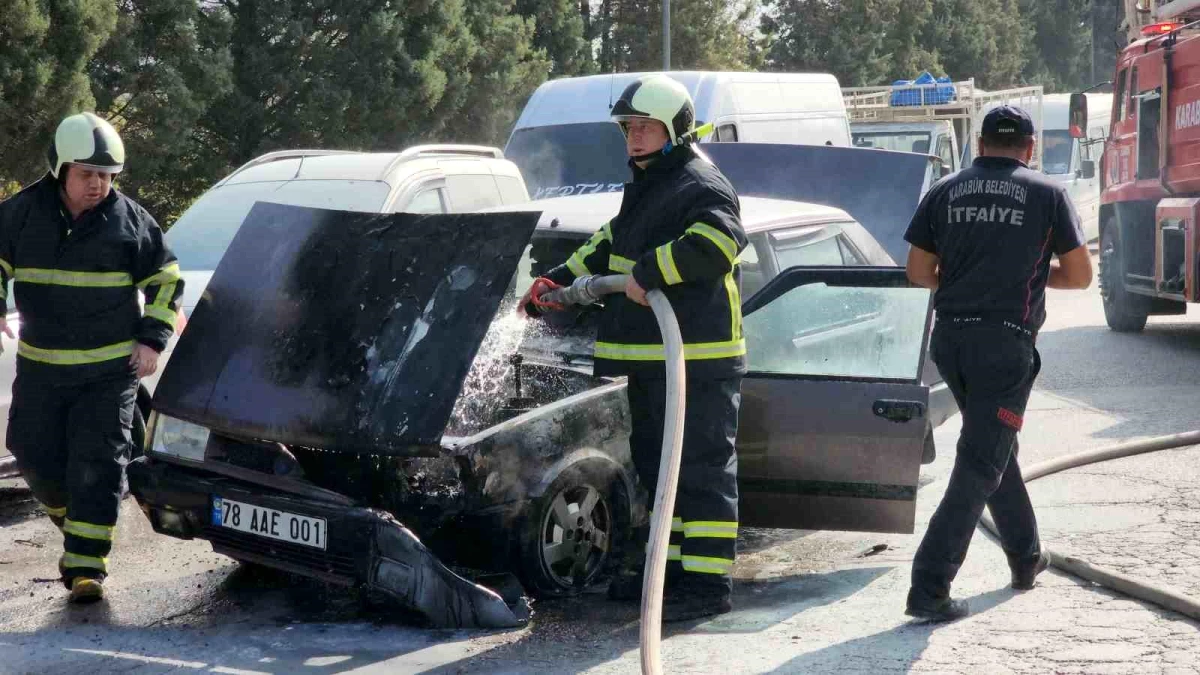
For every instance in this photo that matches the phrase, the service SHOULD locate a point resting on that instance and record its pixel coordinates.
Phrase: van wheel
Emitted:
(1124, 311)
(569, 533)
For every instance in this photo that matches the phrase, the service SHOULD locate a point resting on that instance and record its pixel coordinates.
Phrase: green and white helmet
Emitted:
(88, 141)
(661, 98)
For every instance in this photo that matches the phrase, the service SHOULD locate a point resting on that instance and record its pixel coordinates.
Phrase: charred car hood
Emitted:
(341, 330)
(879, 188)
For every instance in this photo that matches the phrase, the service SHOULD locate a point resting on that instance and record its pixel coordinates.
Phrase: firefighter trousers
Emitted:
(704, 527)
(72, 441)
(990, 369)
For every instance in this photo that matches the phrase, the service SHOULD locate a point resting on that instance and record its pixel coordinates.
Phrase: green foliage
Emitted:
(44, 49)
(166, 64)
(705, 34)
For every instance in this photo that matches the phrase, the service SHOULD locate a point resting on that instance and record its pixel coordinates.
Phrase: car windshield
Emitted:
(201, 235)
(570, 159)
(899, 141)
(1056, 151)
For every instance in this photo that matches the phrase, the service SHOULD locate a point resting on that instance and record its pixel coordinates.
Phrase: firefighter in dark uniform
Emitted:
(78, 252)
(984, 240)
(678, 230)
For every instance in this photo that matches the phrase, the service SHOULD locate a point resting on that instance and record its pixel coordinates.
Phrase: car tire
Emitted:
(555, 560)
(1123, 311)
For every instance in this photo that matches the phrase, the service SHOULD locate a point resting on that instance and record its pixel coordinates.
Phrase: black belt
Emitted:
(968, 320)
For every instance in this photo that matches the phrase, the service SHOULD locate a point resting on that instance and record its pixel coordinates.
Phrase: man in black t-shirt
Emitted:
(983, 240)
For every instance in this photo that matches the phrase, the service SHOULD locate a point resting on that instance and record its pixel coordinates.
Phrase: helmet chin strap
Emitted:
(683, 141)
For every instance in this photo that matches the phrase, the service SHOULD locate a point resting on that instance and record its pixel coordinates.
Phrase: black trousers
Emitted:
(704, 527)
(990, 369)
(72, 441)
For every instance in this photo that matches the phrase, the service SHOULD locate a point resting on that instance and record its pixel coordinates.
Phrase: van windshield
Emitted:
(1056, 150)
(898, 141)
(570, 159)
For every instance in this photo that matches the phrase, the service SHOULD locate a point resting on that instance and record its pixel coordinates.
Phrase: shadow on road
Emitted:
(572, 636)
(1141, 380)
(902, 645)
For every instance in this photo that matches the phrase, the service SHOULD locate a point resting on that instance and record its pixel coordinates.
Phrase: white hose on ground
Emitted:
(1162, 596)
(585, 291)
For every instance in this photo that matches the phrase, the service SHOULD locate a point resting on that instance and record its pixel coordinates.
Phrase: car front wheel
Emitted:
(570, 531)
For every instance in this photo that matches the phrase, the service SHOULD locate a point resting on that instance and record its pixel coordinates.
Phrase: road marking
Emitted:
(159, 660)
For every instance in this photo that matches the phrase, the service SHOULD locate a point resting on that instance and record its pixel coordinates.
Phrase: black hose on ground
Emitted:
(1162, 596)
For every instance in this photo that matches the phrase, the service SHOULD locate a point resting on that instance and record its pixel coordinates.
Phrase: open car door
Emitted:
(833, 412)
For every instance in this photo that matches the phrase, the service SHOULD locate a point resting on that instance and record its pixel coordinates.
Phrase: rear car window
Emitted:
(472, 192)
(201, 235)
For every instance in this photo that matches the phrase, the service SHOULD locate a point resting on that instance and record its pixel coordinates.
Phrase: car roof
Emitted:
(586, 213)
(388, 167)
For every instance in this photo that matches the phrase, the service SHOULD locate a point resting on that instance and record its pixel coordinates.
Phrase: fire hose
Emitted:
(588, 290)
(1162, 596)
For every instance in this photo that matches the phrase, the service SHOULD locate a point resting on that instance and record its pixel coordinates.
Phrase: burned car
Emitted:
(356, 399)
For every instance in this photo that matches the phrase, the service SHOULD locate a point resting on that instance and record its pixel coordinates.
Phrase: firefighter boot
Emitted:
(942, 609)
(1024, 579)
(692, 599)
(626, 585)
(86, 590)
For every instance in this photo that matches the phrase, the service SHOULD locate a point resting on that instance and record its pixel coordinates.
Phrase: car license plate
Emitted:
(270, 523)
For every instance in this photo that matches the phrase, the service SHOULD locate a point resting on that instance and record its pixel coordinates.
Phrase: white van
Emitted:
(1074, 161)
(565, 143)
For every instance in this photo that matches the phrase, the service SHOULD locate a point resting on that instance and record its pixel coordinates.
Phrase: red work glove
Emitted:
(532, 305)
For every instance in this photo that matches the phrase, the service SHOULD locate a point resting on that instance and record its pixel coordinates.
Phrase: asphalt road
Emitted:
(805, 602)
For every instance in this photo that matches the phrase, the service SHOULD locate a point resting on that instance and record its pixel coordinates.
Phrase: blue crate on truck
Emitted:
(911, 95)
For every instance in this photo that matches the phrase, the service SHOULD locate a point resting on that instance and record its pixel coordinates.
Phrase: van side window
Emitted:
(727, 133)
(944, 152)
(471, 192)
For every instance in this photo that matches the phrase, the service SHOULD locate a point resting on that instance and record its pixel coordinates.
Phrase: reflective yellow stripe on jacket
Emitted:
(74, 357)
(691, 352)
(33, 275)
(159, 307)
(620, 264)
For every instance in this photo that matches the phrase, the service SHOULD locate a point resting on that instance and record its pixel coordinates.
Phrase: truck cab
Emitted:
(935, 137)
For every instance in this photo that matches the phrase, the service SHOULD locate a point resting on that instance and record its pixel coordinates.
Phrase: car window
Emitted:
(754, 276)
(727, 133)
(945, 152)
(874, 333)
(512, 191)
(809, 253)
(201, 235)
(471, 192)
(427, 201)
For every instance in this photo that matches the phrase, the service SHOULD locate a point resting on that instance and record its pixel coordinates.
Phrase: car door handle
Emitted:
(898, 411)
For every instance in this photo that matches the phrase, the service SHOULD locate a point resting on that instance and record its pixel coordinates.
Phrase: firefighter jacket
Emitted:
(679, 230)
(76, 282)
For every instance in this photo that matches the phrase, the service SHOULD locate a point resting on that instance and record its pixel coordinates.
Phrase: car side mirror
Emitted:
(1087, 169)
(1078, 115)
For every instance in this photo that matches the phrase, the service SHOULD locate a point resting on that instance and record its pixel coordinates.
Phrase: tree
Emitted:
(504, 66)
(856, 40)
(982, 39)
(47, 44)
(559, 30)
(156, 77)
(705, 34)
(1059, 55)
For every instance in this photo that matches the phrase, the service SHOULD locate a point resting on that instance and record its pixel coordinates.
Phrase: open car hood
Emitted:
(879, 188)
(341, 330)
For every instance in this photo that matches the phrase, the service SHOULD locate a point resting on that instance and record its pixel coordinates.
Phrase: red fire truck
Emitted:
(1150, 170)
